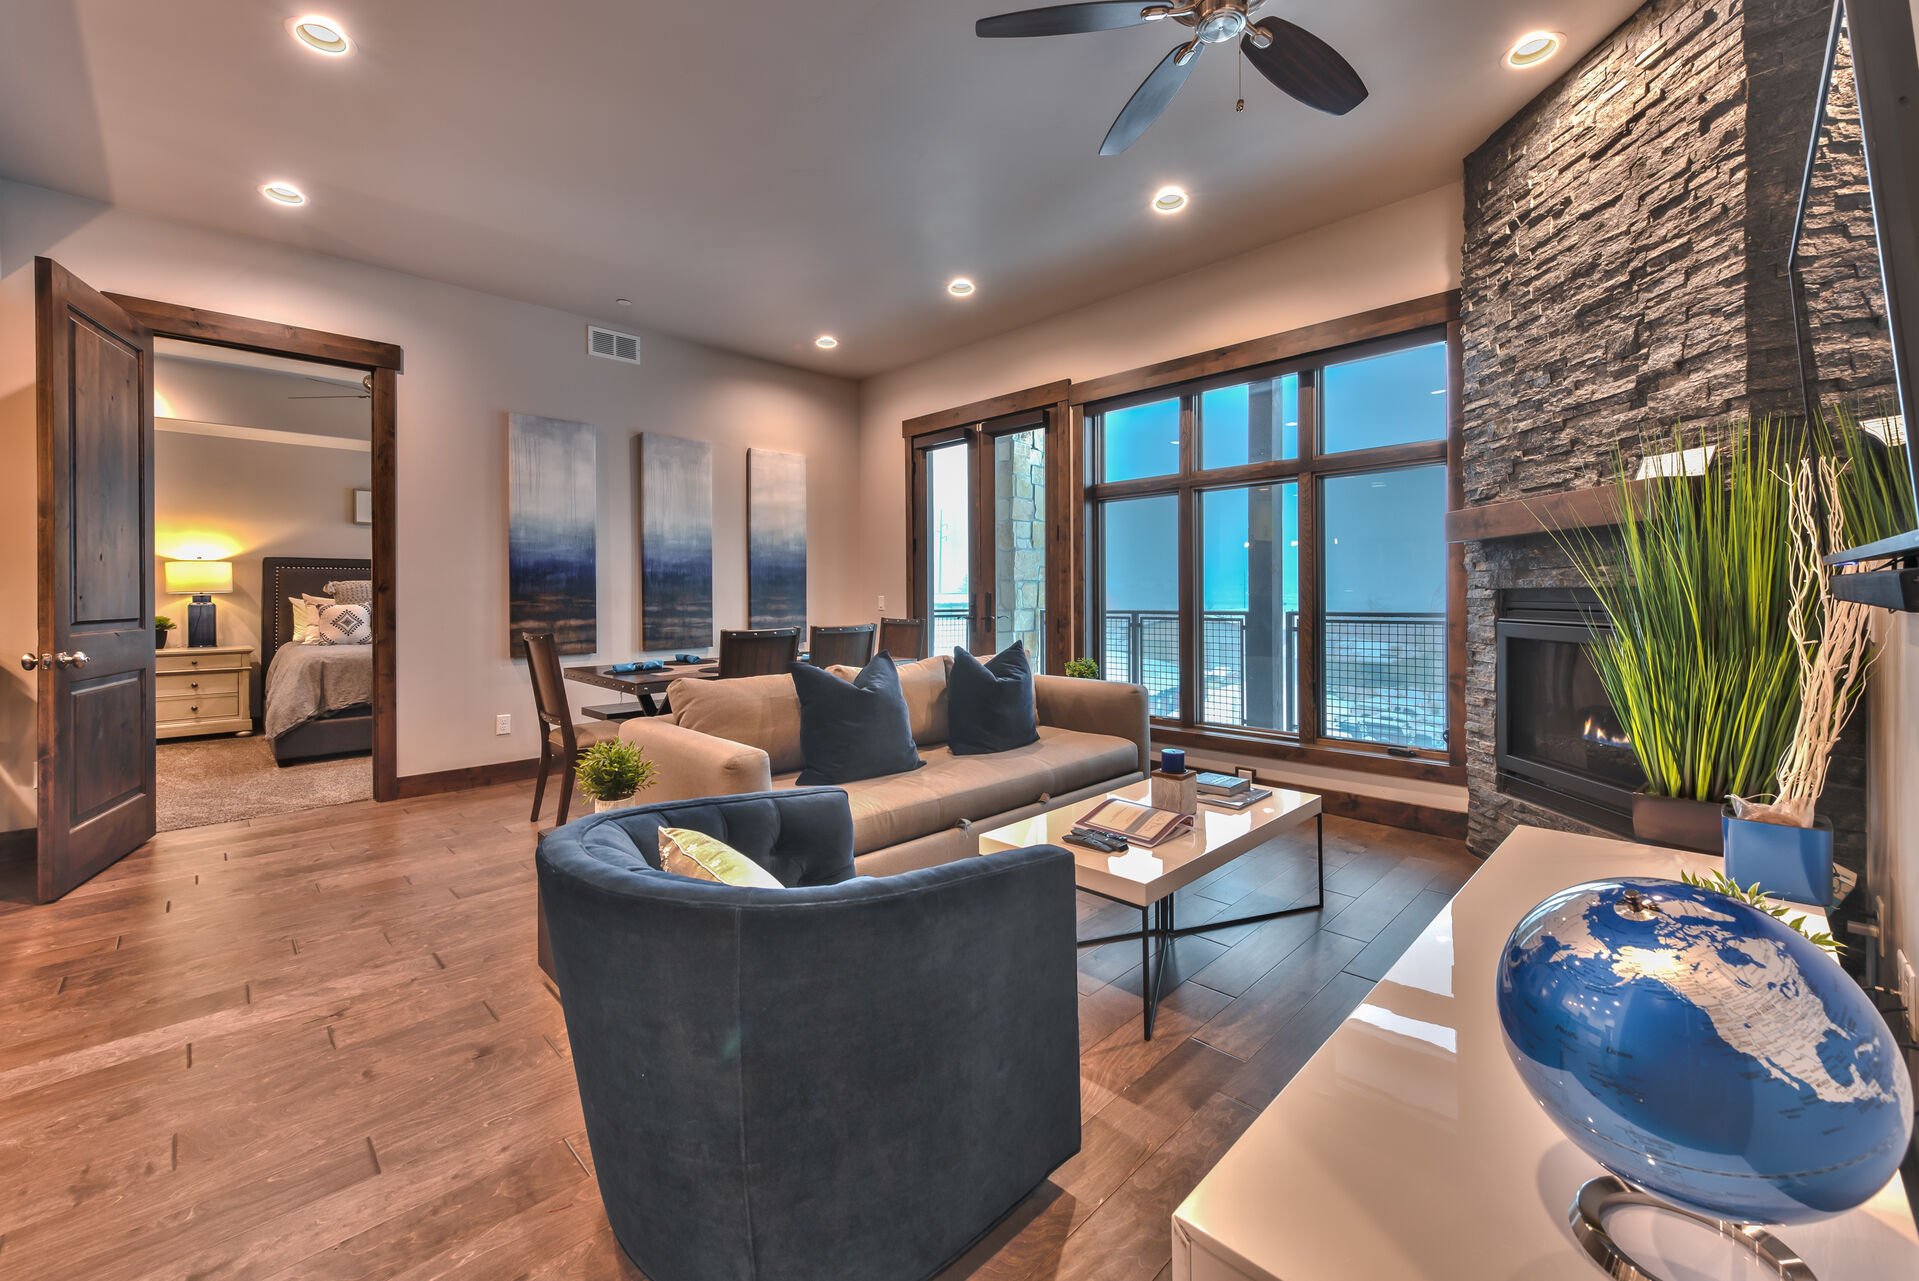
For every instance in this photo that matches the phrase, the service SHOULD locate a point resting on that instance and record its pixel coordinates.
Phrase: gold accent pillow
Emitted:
(684, 852)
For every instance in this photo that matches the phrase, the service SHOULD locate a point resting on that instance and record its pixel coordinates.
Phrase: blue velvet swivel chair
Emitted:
(851, 1078)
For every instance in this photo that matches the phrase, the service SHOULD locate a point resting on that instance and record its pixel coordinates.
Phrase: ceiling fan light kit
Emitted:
(1296, 61)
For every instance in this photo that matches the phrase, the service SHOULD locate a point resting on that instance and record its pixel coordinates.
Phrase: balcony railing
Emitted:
(1382, 675)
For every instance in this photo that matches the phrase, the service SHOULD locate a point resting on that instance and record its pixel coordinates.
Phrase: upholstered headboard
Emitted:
(284, 576)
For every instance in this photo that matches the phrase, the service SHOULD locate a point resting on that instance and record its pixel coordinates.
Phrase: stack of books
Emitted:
(1230, 791)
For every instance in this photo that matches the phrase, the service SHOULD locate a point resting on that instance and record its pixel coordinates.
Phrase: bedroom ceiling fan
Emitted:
(1294, 59)
(365, 392)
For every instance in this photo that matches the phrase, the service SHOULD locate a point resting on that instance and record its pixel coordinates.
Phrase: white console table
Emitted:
(1408, 1147)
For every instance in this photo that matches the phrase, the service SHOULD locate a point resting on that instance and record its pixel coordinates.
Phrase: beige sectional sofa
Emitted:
(724, 738)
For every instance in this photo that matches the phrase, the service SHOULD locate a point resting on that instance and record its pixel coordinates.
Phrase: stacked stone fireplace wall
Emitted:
(1624, 272)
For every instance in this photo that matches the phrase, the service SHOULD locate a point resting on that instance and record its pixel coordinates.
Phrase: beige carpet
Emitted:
(223, 780)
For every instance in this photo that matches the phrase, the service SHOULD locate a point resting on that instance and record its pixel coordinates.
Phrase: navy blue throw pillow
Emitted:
(990, 705)
(853, 731)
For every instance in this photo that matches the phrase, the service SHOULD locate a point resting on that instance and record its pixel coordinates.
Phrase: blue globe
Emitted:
(1697, 1047)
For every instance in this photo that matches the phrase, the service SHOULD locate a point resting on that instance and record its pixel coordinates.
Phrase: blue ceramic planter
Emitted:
(1791, 863)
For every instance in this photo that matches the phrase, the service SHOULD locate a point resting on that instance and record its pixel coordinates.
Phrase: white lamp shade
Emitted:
(199, 577)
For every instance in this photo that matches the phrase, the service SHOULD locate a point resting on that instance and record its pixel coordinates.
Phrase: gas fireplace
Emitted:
(1558, 743)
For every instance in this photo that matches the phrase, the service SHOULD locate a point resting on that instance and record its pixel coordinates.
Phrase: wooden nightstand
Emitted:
(204, 691)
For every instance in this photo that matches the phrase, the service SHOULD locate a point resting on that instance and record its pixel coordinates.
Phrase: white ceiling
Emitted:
(748, 174)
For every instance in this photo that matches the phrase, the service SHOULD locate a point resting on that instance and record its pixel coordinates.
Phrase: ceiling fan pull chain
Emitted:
(1241, 104)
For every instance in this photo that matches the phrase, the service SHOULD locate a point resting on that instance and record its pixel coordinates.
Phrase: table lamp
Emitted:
(202, 580)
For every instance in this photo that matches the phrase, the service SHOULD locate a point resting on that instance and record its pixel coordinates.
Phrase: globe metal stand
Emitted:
(1607, 1193)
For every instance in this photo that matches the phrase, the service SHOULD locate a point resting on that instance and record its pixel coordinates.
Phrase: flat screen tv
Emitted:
(1854, 261)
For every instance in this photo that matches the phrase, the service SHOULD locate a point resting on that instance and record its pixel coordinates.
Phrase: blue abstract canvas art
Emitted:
(552, 572)
(775, 539)
(676, 543)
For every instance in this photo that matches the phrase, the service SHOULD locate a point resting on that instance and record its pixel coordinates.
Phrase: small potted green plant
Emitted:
(612, 773)
(1083, 668)
(161, 626)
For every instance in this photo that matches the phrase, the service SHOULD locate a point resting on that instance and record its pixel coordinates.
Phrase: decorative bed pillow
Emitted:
(991, 704)
(306, 617)
(352, 591)
(343, 625)
(685, 852)
(853, 731)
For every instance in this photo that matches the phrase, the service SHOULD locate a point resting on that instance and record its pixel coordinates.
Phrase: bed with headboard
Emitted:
(315, 696)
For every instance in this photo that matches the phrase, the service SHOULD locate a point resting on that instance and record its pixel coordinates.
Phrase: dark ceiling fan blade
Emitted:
(345, 395)
(1306, 67)
(1065, 19)
(1154, 95)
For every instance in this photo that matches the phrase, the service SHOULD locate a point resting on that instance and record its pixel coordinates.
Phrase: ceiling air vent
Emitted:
(611, 344)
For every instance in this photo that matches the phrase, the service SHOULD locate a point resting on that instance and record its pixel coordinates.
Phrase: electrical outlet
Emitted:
(503, 723)
(1908, 991)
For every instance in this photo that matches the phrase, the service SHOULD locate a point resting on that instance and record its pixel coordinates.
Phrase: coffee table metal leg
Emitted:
(1319, 899)
(1158, 931)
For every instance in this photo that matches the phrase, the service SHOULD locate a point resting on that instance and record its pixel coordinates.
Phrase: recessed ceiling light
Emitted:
(622, 302)
(1533, 48)
(960, 286)
(826, 342)
(322, 35)
(1169, 200)
(283, 193)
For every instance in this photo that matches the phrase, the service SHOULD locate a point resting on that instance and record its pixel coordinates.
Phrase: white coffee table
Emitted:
(1147, 879)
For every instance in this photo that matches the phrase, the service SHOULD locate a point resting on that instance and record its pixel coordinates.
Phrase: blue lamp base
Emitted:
(202, 631)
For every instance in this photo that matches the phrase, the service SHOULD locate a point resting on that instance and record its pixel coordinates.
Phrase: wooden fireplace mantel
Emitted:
(1594, 508)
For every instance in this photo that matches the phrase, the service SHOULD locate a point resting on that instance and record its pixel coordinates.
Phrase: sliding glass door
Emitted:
(979, 496)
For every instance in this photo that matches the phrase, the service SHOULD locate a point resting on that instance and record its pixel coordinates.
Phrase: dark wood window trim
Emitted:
(384, 361)
(1312, 340)
(1017, 402)
(1300, 352)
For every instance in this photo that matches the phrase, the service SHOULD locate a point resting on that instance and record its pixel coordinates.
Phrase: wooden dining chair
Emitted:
(560, 739)
(903, 638)
(841, 646)
(766, 651)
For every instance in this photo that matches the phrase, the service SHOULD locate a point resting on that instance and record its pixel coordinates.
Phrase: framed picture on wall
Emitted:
(363, 507)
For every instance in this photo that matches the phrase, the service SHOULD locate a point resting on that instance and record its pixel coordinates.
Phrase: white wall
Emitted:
(1892, 791)
(1400, 252)
(470, 359)
(242, 500)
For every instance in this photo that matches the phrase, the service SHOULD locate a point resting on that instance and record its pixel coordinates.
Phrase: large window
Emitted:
(1269, 552)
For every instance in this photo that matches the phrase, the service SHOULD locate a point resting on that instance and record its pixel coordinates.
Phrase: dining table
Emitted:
(647, 689)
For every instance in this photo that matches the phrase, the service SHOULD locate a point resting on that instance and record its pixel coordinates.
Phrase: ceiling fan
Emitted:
(1294, 59)
(365, 392)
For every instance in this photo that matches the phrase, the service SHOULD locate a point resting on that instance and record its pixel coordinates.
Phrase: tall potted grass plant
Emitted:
(1701, 664)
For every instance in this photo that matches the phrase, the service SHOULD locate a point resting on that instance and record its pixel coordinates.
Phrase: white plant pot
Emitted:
(625, 802)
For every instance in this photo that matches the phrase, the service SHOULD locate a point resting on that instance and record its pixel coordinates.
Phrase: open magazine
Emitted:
(1139, 824)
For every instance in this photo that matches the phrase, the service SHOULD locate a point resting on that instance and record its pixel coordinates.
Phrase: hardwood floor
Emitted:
(315, 1046)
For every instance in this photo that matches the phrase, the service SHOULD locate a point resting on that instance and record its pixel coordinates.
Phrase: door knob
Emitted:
(78, 658)
(30, 661)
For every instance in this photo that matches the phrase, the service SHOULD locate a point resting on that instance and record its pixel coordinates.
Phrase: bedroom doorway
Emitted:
(263, 543)
(272, 516)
